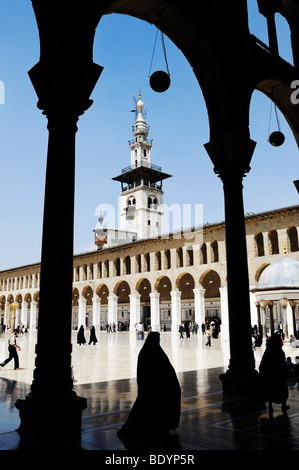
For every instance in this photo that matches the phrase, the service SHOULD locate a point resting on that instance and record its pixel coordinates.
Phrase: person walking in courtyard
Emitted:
(13, 349)
(150, 415)
(187, 329)
(181, 330)
(209, 334)
(80, 336)
(93, 339)
(140, 331)
(273, 374)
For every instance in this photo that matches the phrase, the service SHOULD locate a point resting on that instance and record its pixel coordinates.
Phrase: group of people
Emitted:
(187, 327)
(274, 373)
(81, 336)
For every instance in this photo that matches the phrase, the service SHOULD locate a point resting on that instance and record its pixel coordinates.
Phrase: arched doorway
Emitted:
(211, 282)
(163, 286)
(103, 293)
(2, 310)
(185, 283)
(75, 307)
(122, 290)
(87, 293)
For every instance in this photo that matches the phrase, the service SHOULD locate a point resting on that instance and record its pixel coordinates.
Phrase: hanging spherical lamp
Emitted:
(276, 138)
(159, 81)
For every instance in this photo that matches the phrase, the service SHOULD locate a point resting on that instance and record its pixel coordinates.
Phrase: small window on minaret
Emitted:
(148, 222)
(144, 152)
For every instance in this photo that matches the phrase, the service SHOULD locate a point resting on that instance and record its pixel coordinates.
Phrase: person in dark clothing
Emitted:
(80, 336)
(93, 339)
(157, 408)
(274, 374)
(187, 329)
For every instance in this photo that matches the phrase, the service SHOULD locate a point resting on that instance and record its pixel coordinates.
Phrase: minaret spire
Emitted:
(141, 199)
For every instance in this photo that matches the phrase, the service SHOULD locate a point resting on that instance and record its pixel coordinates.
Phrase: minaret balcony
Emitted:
(143, 164)
(143, 140)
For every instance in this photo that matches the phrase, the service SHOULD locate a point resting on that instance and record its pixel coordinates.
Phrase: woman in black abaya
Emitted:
(93, 339)
(273, 374)
(158, 405)
(80, 336)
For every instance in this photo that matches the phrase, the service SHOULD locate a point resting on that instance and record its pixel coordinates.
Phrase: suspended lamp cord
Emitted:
(277, 120)
(164, 52)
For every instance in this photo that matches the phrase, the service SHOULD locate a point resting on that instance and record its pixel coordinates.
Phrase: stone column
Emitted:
(63, 85)
(112, 310)
(289, 325)
(224, 314)
(33, 309)
(293, 329)
(24, 313)
(231, 154)
(199, 305)
(7, 313)
(82, 312)
(155, 311)
(135, 314)
(175, 310)
(96, 312)
(253, 310)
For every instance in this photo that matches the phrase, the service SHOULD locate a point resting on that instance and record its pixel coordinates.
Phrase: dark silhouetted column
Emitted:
(52, 405)
(231, 155)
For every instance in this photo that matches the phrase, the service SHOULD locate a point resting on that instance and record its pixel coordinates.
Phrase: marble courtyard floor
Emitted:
(106, 375)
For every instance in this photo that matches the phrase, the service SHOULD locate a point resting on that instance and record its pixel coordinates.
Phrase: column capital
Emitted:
(135, 295)
(64, 87)
(199, 290)
(231, 154)
(175, 293)
(155, 295)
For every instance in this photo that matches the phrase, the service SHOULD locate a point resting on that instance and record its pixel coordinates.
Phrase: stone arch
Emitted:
(211, 282)
(19, 299)
(292, 239)
(87, 293)
(185, 283)
(122, 290)
(103, 292)
(273, 242)
(2, 309)
(75, 297)
(259, 244)
(127, 264)
(203, 254)
(179, 257)
(143, 287)
(163, 285)
(214, 251)
(36, 297)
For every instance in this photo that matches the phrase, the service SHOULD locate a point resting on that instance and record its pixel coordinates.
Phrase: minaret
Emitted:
(141, 198)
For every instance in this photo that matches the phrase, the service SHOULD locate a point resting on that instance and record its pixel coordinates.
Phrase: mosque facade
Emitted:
(140, 273)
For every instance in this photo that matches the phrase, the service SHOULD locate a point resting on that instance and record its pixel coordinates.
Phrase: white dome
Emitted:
(283, 273)
(139, 105)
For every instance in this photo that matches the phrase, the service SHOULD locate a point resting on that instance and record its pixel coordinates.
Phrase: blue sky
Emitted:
(178, 124)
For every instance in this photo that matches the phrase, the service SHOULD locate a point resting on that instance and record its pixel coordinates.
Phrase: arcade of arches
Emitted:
(158, 282)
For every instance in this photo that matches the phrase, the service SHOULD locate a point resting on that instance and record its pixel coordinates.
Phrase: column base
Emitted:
(47, 416)
(240, 383)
